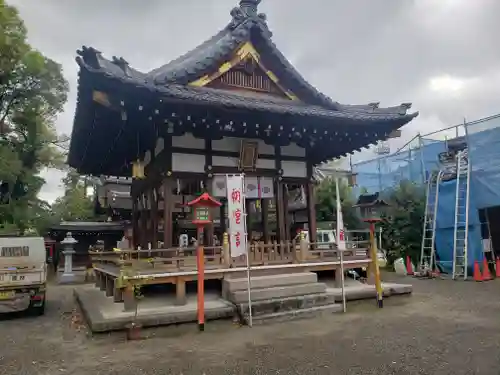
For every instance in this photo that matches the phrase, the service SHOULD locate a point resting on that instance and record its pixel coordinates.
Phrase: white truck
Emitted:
(23, 274)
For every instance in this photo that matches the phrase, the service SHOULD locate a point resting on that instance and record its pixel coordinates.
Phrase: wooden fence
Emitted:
(184, 259)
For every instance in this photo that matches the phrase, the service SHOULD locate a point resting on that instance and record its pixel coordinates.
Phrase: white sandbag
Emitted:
(399, 266)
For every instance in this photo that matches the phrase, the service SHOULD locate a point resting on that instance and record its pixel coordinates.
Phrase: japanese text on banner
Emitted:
(236, 215)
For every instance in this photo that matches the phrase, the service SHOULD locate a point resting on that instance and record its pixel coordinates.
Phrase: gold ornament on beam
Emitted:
(138, 169)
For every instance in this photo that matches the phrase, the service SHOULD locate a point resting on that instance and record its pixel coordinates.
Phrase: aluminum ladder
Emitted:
(461, 228)
(428, 249)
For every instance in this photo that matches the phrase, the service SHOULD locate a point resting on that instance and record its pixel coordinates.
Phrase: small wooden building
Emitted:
(233, 104)
(371, 205)
(87, 233)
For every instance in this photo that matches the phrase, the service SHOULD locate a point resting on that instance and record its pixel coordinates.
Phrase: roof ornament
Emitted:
(247, 10)
(249, 7)
(90, 56)
(404, 108)
(122, 64)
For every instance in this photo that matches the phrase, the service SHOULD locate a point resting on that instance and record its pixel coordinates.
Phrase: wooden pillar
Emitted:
(288, 221)
(110, 285)
(167, 212)
(154, 217)
(280, 217)
(117, 292)
(209, 229)
(135, 222)
(311, 211)
(129, 300)
(222, 214)
(278, 194)
(102, 281)
(144, 223)
(264, 204)
(180, 291)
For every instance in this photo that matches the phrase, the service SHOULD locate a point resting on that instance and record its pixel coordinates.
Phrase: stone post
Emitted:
(304, 248)
(68, 250)
(226, 253)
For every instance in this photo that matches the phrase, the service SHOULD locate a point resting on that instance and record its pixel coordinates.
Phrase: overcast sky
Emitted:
(441, 55)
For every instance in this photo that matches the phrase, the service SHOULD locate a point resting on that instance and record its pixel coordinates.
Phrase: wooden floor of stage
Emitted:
(184, 260)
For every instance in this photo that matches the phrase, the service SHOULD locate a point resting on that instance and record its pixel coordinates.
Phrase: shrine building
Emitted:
(232, 105)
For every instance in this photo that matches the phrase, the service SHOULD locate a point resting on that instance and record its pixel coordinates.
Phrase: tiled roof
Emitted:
(250, 101)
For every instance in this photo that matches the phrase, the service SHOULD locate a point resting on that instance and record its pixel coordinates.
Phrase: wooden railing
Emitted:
(260, 253)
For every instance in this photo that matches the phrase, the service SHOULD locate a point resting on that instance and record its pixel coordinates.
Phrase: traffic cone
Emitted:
(477, 272)
(497, 268)
(409, 266)
(486, 270)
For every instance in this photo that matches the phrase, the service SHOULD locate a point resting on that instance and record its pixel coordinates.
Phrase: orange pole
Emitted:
(200, 263)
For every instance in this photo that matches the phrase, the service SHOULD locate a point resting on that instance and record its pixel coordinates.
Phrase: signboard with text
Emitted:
(236, 215)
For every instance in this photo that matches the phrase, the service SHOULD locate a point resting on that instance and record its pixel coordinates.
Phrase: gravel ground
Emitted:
(446, 327)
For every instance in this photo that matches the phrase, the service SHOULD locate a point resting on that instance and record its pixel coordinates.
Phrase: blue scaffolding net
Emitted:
(420, 158)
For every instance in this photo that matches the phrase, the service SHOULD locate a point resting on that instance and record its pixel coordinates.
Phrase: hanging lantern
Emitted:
(137, 169)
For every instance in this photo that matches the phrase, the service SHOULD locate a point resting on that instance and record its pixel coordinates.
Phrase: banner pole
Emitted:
(247, 256)
(340, 239)
(342, 279)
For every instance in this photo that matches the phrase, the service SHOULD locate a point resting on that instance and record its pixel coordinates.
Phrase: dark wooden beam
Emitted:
(135, 222)
(229, 154)
(278, 192)
(311, 211)
(167, 212)
(209, 229)
(264, 204)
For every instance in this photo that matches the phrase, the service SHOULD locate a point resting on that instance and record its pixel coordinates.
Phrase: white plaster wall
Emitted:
(293, 150)
(224, 161)
(188, 163)
(188, 141)
(234, 145)
(294, 168)
(266, 164)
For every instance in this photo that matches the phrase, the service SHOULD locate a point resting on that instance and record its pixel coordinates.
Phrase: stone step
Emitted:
(283, 316)
(268, 281)
(241, 296)
(258, 273)
(286, 304)
(364, 291)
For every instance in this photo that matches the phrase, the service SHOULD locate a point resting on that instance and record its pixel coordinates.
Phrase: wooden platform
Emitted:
(117, 272)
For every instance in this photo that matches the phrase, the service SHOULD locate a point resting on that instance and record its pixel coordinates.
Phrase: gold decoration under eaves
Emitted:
(244, 56)
(248, 155)
(137, 169)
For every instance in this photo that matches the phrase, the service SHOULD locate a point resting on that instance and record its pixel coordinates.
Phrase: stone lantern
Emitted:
(68, 250)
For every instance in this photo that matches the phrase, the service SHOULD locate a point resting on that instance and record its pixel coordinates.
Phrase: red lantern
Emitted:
(202, 207)
(202, 216)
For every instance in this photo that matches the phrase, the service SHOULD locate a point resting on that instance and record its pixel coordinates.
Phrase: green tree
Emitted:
(402, 223)
(32, 92)
(327, 203)
(74, 204)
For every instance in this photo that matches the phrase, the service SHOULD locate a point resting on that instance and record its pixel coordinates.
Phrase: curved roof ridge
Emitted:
(91, 59)
(162, 73)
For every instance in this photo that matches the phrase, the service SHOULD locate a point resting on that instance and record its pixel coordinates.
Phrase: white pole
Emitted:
(249, 290)
(340, 240)
(342, 279)
(247, 256)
